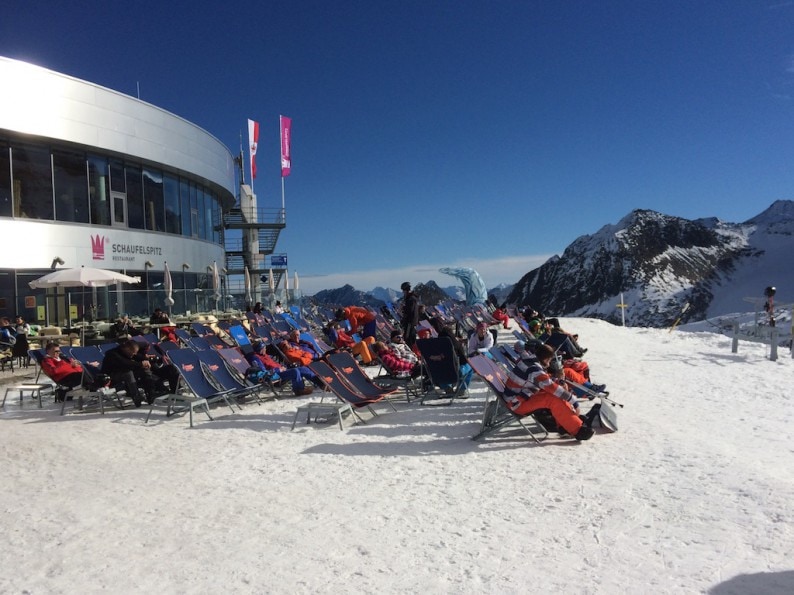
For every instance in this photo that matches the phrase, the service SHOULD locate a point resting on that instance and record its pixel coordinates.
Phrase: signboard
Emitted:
(40, 313)
(30, 301)
(278, 260)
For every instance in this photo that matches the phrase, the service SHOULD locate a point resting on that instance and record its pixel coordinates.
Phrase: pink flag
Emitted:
(253, 139)
(286, 137)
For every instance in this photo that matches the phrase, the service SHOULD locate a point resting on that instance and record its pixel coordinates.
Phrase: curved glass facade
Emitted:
(51, 182)
(91, 177)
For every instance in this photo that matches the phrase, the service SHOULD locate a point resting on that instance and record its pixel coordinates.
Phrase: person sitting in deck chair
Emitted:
(66, 372)
(167, 333)
(124, 367)
(274, 371)
(543, 332)
(298, 351)
(395, 364)
(360, 319)
(530, 388)
(445, 330)
(574, 349)
(499, 312)
(398, 345)
(481, 340)
(569, 371)
(342, 340)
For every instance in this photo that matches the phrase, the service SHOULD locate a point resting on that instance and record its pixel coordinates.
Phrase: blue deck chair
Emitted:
(201, 329)
(497, 414)
(236, 361)
(291, 321)
(321, 347)
(281, 326)
(198, 344)
(214, 365)
(348, 369)
(202, 393)
(182, 335)
(443, 369)
(91, 359)
(334, 383)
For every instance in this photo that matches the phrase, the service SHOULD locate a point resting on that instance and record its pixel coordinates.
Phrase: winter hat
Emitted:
(405, 286)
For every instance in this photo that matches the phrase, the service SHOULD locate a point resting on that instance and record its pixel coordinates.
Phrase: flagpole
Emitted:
(282, 195)
(242, 160)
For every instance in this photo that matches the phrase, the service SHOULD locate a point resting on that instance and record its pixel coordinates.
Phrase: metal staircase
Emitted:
(268, 224)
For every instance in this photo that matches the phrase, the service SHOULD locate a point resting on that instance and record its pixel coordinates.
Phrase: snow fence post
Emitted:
(773, 345)
(735, 343)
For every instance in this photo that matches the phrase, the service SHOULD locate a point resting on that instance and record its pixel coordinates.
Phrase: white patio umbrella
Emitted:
(271, 283)
(247, 282)
(295, 285)
(216, 283)
(82, 277)
(168, 286)
(286, 287)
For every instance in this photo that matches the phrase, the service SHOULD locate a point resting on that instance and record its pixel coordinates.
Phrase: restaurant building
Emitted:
(92, 177)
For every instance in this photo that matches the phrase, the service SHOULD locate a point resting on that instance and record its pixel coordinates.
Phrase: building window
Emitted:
(135, 212)
(184, 201)
(99, 190)
(171, 201)
(153, 200)
(117, 183)
(6, 203)
(202, 226)
(194, 221)
(71, 187)
(32, 182)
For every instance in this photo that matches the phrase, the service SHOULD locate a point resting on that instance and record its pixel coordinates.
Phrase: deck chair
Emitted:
(202, 393)
(281, 326)
(91, 359)
(201, 329)
(236, 361)
(214, 365)
(497, 414)
(198, 344)
(239, 336)
(334, 383)
(320, 345)
(412, 386)
(500, 356)
(443, 368)
(182, 335)
(349, 370)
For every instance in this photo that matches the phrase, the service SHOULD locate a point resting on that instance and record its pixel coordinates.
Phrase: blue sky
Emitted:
(429, 134)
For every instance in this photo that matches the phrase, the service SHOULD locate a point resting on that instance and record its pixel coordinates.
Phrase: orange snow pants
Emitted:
(561, 411)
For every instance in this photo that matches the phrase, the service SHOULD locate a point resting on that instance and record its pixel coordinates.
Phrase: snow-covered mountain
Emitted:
(386, 294)
(660, 263)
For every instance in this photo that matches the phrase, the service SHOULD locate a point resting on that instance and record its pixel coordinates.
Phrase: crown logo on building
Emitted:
(98, 247)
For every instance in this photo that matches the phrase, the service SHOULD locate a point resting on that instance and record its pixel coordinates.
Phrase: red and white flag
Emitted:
(253, 140)
(286, 137)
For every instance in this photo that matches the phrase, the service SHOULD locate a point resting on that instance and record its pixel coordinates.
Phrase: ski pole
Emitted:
(611, 401)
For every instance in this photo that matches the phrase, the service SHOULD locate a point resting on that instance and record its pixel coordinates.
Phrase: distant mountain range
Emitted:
(657, 262)
(660, 263)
